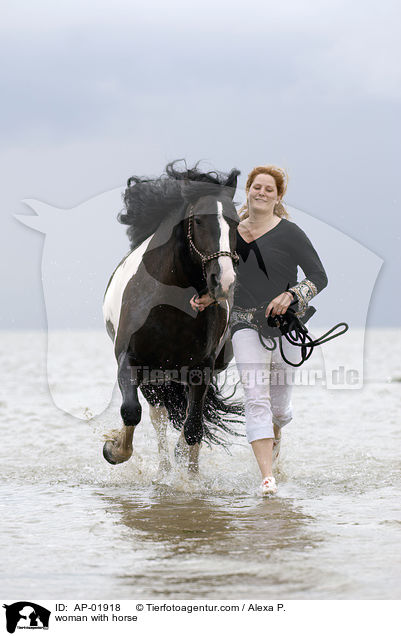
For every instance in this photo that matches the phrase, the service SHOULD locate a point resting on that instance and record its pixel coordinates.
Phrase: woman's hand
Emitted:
(280, 304)
(200, 303)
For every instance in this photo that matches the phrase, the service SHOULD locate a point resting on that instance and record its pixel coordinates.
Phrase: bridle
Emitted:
(205, 258)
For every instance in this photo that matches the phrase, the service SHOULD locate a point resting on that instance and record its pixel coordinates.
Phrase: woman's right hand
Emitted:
(280, 304)
(200, 303)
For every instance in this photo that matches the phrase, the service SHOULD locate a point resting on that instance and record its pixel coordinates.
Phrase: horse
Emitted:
(182, 229)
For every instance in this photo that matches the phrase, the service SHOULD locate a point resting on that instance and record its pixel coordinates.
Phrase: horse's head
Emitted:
(212, 230)
(201, 205)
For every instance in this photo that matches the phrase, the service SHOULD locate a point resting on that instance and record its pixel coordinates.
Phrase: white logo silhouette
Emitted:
(83, 246)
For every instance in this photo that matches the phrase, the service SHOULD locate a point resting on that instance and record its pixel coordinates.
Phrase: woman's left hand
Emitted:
(280, 304)
(200, 303)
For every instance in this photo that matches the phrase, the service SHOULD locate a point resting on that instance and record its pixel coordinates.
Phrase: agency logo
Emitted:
(84, 245)
(26, 615)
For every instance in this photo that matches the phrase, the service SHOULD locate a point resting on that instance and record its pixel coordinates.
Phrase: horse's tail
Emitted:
(220, 413)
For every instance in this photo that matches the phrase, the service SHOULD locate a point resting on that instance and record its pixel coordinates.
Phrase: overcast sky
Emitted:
(93, 92)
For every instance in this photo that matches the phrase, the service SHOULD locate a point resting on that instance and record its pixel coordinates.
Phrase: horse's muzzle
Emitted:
(220, 293)
(221, 278)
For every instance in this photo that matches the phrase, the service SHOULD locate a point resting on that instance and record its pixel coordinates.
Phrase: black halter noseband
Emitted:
(205, 258)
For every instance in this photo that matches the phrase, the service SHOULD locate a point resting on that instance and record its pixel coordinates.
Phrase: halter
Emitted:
(205, 258)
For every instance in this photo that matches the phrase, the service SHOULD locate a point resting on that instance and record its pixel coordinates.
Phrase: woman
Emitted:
(270, 249)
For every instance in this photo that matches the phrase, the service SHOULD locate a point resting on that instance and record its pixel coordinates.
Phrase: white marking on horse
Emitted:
(227, 274)
(121, 277)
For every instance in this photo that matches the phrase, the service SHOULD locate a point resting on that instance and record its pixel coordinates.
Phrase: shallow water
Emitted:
(76, 527)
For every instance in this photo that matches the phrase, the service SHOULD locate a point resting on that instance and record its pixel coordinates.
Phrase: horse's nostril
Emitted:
(213, 280)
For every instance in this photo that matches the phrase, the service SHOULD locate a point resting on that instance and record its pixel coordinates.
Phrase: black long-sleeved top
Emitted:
(268, 266)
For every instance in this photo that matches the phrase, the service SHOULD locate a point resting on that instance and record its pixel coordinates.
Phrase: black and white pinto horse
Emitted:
(182, 228)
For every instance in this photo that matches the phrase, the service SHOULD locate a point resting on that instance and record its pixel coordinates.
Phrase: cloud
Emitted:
(360, 58)
(74, 70)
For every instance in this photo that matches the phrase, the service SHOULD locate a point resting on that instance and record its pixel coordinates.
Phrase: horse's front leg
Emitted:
(188, 455)
(198, 382)
(118, 445)
(193, 424)
(159, 419)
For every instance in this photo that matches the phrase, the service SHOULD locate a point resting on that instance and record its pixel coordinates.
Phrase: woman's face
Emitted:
(262, 195)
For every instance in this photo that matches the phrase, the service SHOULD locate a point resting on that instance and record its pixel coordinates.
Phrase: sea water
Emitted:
(74, 526)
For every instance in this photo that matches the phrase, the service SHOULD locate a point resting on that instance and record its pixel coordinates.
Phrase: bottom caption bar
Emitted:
(94, 616)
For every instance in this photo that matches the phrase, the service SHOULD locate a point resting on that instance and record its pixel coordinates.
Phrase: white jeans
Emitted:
(263, 377)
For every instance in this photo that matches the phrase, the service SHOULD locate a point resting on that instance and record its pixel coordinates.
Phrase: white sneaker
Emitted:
(269, 486)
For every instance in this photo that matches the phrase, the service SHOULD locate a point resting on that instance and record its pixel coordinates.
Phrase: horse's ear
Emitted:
(232, 181)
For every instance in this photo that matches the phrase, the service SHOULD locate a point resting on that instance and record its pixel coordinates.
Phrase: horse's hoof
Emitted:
(111, 454)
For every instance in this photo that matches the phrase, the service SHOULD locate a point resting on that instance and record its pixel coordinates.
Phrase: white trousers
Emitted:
(263, 378)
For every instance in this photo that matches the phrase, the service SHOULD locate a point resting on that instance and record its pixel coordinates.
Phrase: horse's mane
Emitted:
(149, 201)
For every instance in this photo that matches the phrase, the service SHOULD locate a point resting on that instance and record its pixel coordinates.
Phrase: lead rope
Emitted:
(297, 335)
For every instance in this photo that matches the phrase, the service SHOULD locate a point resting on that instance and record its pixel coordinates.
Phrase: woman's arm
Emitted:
(316, 279)
(308, 259)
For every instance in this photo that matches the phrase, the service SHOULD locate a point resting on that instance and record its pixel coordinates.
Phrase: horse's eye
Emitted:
(197, 220)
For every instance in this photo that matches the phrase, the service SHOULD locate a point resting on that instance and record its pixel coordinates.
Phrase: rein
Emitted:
(205, 258)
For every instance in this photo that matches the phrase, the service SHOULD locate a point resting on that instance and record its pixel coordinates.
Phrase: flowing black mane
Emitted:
(149, 201)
